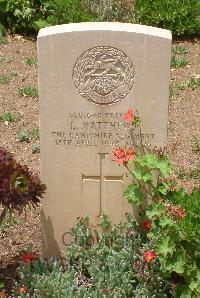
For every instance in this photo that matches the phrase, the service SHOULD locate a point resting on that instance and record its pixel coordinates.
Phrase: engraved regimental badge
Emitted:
(103, 75)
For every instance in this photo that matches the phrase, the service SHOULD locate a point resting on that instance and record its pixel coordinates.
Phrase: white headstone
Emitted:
(89, 75)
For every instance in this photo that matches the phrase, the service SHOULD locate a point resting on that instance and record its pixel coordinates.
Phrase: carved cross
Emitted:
(102, 179)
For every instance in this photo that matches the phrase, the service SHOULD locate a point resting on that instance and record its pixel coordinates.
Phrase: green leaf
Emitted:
(142, 175)
(2, 30)
(154, 211)
(163, 188)
(133, 194)
(164, 167)
(165, 246)
(186, 293)
(166, 221)
(40, 24)
(1, 285)
(3, 6)
(149, 160)
(30, 247)
(177, 263)
(195, 285)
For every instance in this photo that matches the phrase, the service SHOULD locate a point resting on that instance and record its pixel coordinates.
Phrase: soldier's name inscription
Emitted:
(99, 129)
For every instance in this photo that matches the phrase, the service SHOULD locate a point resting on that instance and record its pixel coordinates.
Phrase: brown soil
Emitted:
(184, 124)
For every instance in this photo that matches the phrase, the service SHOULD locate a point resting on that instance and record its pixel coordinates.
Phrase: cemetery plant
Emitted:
(120, 264)
(110, 10)
(19, 15)
(28, 91)
(179, 61)
(19, 187)
(152, 180)
(25, 135)
(63, 12)
(179, 16)
(193, 83)
(155, 254)
(9, 117)
(179, 50)
(197, 144)
(4, 79)
(36, 147)
(31, 61)
(3, 40)
(27, 16)
(5, 59)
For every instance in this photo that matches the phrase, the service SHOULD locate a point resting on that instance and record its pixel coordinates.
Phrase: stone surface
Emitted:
(89, 75)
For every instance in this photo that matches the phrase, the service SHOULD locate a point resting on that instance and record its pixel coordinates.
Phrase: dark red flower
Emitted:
(128, 116)
(149, 256)
(18, 186)
(28, 258)
(146, 224)
(3, 154)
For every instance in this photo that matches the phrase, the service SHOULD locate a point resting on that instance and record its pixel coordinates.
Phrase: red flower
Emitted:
(146, 224)
(27, 258)
(149, 256)
(128, 116)
(121, 156)
(176, 212)
(130, 153)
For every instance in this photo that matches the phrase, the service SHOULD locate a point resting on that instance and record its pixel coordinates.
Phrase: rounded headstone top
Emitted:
(105, 26)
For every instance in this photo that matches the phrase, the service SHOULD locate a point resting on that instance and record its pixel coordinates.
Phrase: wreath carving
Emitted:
(103, 75)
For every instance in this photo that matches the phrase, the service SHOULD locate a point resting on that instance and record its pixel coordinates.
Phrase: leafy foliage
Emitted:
(3, 40)
(179, 50)
(63, 12)
(190, 225)
(197, 140)
(173, 213)
(157, 254)
(27, 16)
(179, 16)
(36, 147)
(9, 117)
(28, 91)
(110, 10)
(4, 79)
(113, 267)
(19, 15)
(178, 61)
(25, 135)
(31, 61)
(8, 222)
